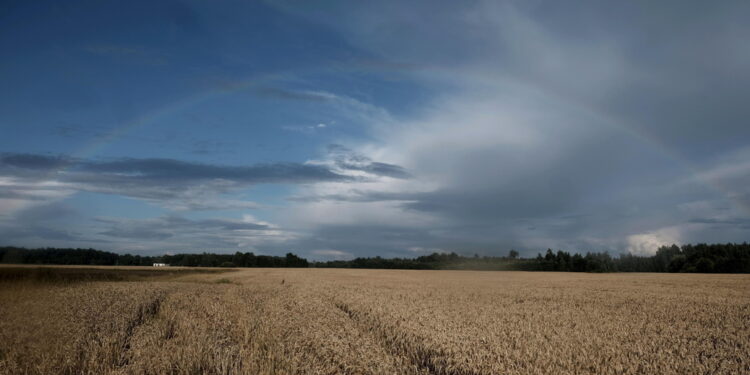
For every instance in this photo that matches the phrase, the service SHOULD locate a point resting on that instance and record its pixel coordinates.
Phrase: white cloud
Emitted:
(648, 243)
(18, 194)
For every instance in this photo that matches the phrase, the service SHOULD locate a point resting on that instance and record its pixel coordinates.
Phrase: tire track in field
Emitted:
(143, 314)
(428, 361)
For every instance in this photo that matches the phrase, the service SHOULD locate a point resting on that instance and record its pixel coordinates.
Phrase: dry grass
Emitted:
(324, 321)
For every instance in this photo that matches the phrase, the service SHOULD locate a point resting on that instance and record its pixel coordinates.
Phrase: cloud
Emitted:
(172, 183)
(204, 203)
(39, 222)
(170, 170)
(40, 232)
(542, 135)
(648, 243)
(344, 159)
(730, 174)
(525, 125)
(46, 212)
(182, 234)
(147, 171)
(168, 226)
(30, 184)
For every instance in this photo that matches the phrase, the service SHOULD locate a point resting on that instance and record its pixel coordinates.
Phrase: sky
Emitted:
(390, 128)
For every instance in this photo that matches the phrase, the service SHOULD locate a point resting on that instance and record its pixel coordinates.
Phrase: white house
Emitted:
(160, 265)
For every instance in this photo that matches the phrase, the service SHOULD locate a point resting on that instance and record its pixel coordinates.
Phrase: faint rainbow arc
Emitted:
(155, 115)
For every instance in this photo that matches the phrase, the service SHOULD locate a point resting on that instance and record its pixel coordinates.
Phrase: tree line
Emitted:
(18, 255)
(704, 258)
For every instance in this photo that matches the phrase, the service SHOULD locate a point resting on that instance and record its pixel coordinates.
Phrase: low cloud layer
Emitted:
(31, 185)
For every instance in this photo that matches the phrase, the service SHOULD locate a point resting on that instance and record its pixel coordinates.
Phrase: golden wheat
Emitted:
(325, 321)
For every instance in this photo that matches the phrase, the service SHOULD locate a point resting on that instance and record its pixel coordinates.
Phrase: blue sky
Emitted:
(337, 129)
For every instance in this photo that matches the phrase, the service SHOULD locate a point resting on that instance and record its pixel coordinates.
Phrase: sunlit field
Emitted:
(335, 321)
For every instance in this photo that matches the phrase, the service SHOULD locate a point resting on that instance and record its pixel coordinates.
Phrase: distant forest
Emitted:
(704, 258)
(19, 255)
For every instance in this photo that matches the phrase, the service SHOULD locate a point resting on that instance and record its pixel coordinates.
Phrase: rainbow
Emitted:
(91, 149)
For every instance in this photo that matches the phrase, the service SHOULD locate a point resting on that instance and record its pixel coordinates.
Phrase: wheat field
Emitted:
(337, 321)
